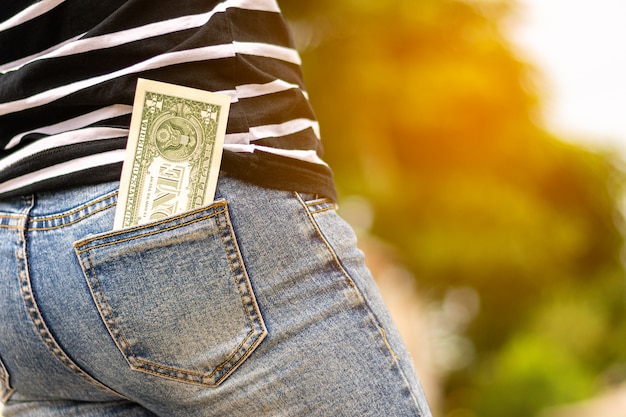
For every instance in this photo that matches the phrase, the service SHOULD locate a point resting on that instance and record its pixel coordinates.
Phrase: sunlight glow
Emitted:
(579, 48)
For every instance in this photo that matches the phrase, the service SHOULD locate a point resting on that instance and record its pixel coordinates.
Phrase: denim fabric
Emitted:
(258, 305)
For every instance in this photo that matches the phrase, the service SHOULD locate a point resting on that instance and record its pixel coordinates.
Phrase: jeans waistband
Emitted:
(67, 207)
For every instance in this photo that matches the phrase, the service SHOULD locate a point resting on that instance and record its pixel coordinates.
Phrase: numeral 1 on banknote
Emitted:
(173, 154)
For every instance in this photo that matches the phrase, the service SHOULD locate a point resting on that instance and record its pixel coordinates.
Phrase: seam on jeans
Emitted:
(143, 235)
(319, 233)
(61, 215)
(120, 339)
(6, 226)
(91, 213)
(11, 217)
(321, 210)
(83, 245)
(371, 314)
(35, 315)
(319, 205)
(5, 383)
(72, 212)
(384, 333)
(235, 275)
(75, 210)
(238, 276)
(100, 302)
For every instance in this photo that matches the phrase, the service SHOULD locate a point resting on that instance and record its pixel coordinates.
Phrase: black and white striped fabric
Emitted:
(68, 70)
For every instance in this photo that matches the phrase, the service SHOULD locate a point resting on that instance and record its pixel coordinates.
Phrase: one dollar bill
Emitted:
(173, 154)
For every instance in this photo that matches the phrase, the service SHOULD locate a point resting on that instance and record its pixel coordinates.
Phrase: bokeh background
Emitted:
(497, 241)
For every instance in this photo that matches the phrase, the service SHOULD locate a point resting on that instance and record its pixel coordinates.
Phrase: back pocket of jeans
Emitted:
(175, 295)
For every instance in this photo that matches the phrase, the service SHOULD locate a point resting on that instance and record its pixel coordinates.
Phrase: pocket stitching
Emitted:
(111, 196)
(83, 245)
(255, 321)
(237, 276)
(110, 318)
(108, 314)
(327, 204)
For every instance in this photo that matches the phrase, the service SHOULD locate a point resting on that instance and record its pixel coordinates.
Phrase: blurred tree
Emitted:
(427, 113)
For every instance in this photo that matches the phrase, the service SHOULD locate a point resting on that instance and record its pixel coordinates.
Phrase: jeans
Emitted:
(258, 305)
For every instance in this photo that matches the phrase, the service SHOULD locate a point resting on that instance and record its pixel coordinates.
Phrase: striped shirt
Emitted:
(68, 71)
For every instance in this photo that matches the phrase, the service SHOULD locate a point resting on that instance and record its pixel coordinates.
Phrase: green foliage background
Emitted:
(427, 112)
